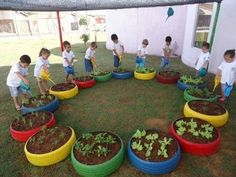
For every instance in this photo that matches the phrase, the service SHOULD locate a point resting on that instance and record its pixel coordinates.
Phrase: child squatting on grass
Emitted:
(166, 53)
(227, 71)
(118, 50)
(42, 63)
(18, 73)
(68, 58)
(90, 58)
(203, 59)
(141, 54)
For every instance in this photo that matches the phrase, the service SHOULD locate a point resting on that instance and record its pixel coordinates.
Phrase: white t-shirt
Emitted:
(12, 79)
(228, 72)
(143, 51)
(67, 55)
(38, 66)
(201, 60)
(118, 47)
(167, 48)
(89, 54)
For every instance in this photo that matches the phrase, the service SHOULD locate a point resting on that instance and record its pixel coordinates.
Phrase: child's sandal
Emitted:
(18, 108)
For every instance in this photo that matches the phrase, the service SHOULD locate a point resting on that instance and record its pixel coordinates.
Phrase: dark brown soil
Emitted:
(48, 140)
(122, 70)
(203, 96)
(84, 78)
(31, 121)
(171, 149)
(92, 158)
(169, 74)
(206, 107)
(63, 87)
(39, 100)
(197, 139)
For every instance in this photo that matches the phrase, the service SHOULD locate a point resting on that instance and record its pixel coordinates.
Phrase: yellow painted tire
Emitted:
(216, 120)
(51, 157)
(62, 95)
(144, 76)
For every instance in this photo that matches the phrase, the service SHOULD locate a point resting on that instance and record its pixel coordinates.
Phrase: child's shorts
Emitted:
(140, 61)
(88, 65)
(69, 70)
(164, 63)
(116, 61)
(15, 91)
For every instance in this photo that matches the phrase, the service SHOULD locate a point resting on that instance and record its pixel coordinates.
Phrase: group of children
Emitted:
(19, 71)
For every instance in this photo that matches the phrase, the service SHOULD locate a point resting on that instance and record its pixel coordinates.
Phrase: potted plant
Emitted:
(64, 90)
(50, 145)
(194, 93)
(211, 112)
(102, 76)
(144, 73)
(122, 73)
(196, 136)
(42, 102)
(97, 154)
(188, 81)
(84, 82)
(168, 77)
(23, 127)
(153, 152)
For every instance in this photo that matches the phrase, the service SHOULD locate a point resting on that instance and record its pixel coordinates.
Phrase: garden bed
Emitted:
(122, 73)
(102, 76)
(84, 82)
(144, 73)
(64, 90)
(188, 81)
(168, 77)
(194, 93)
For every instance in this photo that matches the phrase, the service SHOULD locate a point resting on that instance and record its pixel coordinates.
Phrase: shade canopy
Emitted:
(74, 5)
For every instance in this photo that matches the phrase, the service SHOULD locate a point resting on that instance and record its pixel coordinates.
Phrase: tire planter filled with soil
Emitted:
(187, 81)
(199, 94)
(211, 112)
(97, 154)
(42, 102)
(102, 76)
(24, 127)
(168, 77)
(163, 156)
(196, 136)
(50, 145)
(122, 73)
(144, 73)
(84, 82)
(64, 90)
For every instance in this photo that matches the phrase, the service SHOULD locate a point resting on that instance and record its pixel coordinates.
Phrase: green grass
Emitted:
(120, 106)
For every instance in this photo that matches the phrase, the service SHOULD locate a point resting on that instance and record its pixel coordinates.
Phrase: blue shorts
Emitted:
(88, 65)
(165, 63)
(140, 61)
(116, 61)
(72, 70)
(15, 91)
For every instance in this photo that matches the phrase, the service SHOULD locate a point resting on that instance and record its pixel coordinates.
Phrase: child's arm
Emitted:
(23, 78)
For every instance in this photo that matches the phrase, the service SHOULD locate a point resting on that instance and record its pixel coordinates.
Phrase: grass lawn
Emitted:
(120, 106)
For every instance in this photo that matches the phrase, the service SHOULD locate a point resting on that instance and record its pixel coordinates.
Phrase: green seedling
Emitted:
(100, 138)
(148, 149)
(152, 137)
(165, 141)
(110, 140)
(139, 134)
(102, 151)
(162, 152)
(87, 136)
(181, 131)
(138, 146)
(180, 123)
(87, 149)
(192, 124)
(207, 127)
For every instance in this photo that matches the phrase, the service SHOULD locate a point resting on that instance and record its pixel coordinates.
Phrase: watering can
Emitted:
(228, 90)
(202, 72)
(121, 57)
(69, 70)
(93, 60)
(46, 76)
(26, 87)
(217, 81)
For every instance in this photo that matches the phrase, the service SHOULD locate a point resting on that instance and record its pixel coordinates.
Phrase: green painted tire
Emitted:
(100, 170)
(189, 97)
(103, 78)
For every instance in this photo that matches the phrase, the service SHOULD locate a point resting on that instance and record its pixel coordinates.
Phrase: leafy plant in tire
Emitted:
(152, 137)
(191, 80)
(138, 146)
(139, 134)
(102, 151)
(148, 149)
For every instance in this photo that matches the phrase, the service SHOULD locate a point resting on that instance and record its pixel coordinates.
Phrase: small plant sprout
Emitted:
(165, 141)
(148, 149)
(87, 136)
(86, 149)
(152, 137)
(192, 124)
(100, 138)
(181, 130)
(206, 134)
(162, 152)
(138, 146)
(102, 151)
(139, 134)
(78, 145)
(207, 127)
(110, 140)
(180, 123)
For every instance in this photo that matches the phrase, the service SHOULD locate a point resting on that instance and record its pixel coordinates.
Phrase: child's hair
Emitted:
(93, 44)
(168, 39)
(114, 37)
(65, 43)
(25, 59)
(206, 45)
(145, 42)
(231, 53)
(44, 51)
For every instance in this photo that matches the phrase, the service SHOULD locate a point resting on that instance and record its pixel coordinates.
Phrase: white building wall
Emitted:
(133, 25)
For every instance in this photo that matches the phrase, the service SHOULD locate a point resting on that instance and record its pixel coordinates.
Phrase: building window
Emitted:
(203, 24)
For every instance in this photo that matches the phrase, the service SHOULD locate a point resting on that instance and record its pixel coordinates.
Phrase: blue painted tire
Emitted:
(182, 86)
(154, 168)
(122, 75)
(51, 107)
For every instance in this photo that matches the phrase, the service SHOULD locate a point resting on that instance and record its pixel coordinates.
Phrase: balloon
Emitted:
(170, 12)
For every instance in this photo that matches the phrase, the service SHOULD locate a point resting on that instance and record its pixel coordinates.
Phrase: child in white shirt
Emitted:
(68, 58)
(141, 54)
(18, 74)
(90, 57)
(42, 63)
(118, 50)
(166, 53)
(203, 59)
(227, 71)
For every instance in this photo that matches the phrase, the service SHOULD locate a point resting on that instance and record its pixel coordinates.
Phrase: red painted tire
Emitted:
(195, 148)
(23, 136)
(85, 84)
(166, 80)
